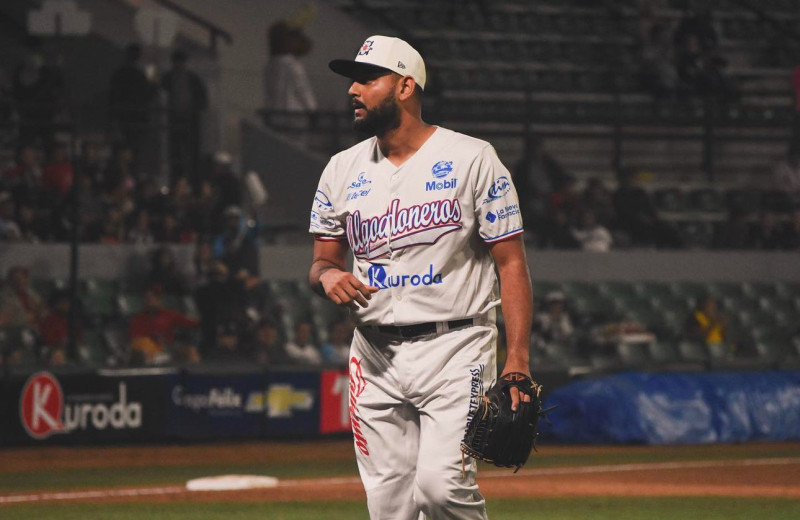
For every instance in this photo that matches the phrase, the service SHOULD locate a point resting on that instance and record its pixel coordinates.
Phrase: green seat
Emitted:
(694, 352)
(721, 290)
(693, 290)
(99, 296)
(92, 349)
(542, 289)
(579, 289)
(129, 304)
(634, 355)
(662, 352)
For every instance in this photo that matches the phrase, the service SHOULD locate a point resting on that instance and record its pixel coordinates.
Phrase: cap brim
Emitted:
(355, 69)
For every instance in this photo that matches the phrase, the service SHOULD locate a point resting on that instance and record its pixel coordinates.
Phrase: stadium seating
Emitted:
(763, 322)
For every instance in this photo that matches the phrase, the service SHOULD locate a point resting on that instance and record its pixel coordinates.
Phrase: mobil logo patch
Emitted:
(446, 184)
(380, 278)
(498, 189)
(42, 406)
(442, 169)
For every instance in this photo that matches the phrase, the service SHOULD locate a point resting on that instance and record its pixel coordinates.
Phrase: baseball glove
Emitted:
(498, 435)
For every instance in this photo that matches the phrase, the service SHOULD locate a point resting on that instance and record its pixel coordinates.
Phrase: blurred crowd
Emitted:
(212, 315)
(682, 59)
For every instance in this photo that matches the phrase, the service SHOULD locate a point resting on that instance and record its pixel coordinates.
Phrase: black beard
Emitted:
(381, 119)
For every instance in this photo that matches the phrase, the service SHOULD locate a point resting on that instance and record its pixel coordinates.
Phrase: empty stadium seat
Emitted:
(693, 352)
(634, 355)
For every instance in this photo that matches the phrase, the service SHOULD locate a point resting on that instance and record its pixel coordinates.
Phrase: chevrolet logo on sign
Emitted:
(282, 399)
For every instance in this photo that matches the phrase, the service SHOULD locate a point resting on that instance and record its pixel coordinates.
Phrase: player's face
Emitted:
(375, 109)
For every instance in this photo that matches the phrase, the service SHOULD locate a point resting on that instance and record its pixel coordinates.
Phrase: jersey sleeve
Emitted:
(497, 207)
(326, 219)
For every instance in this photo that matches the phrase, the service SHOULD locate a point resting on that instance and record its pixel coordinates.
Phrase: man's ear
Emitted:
(407, 86)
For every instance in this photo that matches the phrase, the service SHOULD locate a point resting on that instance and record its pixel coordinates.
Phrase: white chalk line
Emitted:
(333, 481)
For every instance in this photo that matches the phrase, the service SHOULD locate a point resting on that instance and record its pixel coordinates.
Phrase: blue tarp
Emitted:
(677, 408)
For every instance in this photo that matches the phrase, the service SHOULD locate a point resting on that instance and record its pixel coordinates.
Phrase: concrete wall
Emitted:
(292, 262)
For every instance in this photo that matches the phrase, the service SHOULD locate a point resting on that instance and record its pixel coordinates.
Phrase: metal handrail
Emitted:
(214, 30)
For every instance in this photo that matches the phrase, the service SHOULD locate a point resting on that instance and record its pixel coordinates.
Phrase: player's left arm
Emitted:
(516, 297)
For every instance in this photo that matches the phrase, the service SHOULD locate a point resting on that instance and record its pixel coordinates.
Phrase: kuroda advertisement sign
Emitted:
(83, 408)
(140, 405)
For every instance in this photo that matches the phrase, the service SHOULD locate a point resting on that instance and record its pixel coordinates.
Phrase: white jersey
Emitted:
(418, 231)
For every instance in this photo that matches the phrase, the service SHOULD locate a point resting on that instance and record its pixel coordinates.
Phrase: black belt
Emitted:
(420, 329)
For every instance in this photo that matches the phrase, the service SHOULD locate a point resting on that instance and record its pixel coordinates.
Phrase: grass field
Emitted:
(641, 508)
(28, 472)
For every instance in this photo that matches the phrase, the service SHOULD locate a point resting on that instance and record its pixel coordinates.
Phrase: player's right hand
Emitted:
(345, 289)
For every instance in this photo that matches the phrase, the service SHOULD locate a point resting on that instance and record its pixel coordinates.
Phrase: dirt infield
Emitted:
(694, 475)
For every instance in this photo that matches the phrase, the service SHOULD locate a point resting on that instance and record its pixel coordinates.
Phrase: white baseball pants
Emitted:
(410, 401)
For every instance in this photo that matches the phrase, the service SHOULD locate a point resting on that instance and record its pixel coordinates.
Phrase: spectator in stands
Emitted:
(768, 233)
(20, 305)
(637, 217)
(556, 232)
(57, 174)
(140, 231)
(32, 228)
(657, 62)
(792, 237)
(221, 301)
(186, 100)
(131, 94)
(164, 271)
(706, 324)
(120, 171)
(287, 87)
(794, 145)
(597, 199)
(225, 183)
(24, 178)
(336, 351)
(735, 232)
(700, 66)
(54, 328)
(266, 348)
(153, 331)
(205, 265)
(90, 164)
(38, 88)
(554, 324)
(237, 245)
(113, 226)
(302, 348)
(535, 177)
(787, 175)
(9, 229)
(590, 234)
(566, 198)
(180, 200)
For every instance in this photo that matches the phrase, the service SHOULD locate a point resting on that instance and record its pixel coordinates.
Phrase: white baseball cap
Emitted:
(384, 52)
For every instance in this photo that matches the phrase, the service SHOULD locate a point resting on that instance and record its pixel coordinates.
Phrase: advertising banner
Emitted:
(291, 403)
(218, 406)
(334, 416)
(46, 408)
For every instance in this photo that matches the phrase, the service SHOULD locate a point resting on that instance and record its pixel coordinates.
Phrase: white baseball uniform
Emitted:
(418, 233)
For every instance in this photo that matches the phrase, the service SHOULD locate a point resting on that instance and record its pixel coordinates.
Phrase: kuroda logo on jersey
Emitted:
(499, 188)
(378, 277)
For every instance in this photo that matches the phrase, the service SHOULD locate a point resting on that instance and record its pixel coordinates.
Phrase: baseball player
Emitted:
(428, 214)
